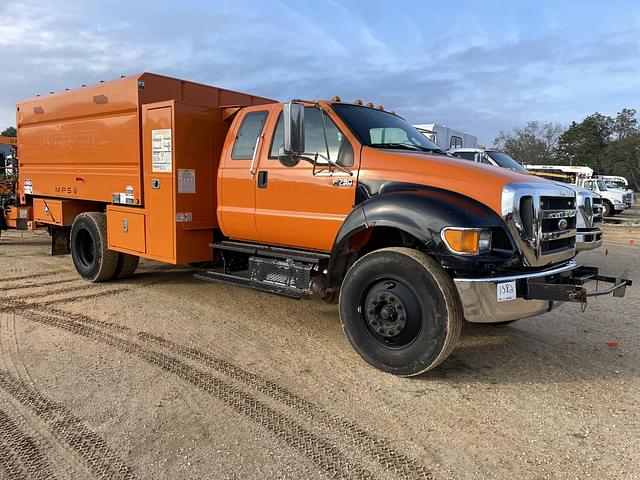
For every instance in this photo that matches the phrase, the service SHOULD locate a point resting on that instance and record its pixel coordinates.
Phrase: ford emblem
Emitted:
(563, 224)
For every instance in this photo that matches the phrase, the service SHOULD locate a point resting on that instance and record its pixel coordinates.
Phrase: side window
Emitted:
(466, 155)
(456, 142)
(314, 138)
(248, 134)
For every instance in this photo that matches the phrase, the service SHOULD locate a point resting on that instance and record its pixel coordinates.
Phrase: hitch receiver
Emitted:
(571, 288)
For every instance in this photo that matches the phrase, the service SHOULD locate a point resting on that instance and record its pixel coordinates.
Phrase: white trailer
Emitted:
(446, 137)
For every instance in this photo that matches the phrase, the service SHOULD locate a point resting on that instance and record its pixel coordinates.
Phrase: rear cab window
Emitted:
(248, 133)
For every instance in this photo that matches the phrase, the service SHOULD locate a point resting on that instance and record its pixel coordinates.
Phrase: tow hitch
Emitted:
(570, 286)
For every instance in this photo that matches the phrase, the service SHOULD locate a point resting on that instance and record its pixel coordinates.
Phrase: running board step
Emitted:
(271, 251)
(251, 283)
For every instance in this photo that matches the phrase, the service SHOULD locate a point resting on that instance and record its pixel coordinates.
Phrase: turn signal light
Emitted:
(467, 241)
(462, 241)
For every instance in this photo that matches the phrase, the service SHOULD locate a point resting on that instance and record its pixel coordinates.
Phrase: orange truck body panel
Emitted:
(145, 146)
(60, 212)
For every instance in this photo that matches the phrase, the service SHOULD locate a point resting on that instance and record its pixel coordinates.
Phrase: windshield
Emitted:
(380, 129)
(614, 184)
(601, 186)
(505, 161)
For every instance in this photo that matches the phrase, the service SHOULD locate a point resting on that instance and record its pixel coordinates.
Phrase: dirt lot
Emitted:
(165, 377)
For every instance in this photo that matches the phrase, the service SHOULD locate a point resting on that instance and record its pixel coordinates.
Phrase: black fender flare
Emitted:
(417, 210)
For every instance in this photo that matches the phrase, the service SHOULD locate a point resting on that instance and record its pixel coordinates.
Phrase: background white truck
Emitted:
(446, 137)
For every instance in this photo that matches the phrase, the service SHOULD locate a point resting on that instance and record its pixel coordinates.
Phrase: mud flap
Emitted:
(59, 241)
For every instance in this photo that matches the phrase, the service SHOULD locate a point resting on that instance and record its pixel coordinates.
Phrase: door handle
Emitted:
(262, 179)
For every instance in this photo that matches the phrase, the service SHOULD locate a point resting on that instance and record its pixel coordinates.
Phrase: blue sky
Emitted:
(478, 66)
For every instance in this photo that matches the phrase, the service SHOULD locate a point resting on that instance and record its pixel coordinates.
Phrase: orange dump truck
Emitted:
(343, 200)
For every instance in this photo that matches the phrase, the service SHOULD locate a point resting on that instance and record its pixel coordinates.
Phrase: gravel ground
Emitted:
(165, 377)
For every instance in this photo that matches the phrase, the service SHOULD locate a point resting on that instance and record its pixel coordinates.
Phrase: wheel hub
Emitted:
(386, 313)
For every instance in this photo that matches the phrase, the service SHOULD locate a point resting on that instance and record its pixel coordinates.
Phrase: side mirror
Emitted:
(293, 114)
(286, 159)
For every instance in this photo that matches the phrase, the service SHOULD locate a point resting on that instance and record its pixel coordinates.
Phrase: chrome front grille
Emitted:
(542, 220)
(598, 210)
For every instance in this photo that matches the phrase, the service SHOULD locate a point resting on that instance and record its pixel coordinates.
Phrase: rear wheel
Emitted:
(400, 311)
(89, 252)
(127, 265)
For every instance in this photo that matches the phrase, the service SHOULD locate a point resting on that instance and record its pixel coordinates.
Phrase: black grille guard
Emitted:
(570, 286)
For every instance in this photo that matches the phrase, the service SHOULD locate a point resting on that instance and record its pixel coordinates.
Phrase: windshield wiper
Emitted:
(406, 146)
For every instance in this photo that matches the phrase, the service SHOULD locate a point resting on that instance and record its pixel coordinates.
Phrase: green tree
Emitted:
(611, 146)
(534, 144)
(625, 124)
(585, 143)
(9, 132)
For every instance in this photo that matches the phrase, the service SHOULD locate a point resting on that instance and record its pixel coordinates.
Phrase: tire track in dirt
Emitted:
(372, 445)
(321, 452)
(101, 461)
(20, 456)
(30, 276)
(61, 291)
(91, 296)
(67, 463)
(37, 285)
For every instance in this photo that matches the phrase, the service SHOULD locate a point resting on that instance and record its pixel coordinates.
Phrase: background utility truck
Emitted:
(615, 200)
(299, 198)
(446, 137)
(589, 207)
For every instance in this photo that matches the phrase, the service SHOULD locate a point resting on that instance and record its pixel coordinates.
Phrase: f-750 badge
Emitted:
(342, 182)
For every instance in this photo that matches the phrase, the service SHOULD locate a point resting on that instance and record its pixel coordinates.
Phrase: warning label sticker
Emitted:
(186, 180)
(161, 149)
(28, 186)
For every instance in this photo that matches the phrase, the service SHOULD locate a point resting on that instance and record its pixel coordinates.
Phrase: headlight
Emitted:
(466, 241)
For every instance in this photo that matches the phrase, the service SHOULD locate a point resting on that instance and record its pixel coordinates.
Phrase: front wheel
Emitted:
(400, 311)
(608, 209)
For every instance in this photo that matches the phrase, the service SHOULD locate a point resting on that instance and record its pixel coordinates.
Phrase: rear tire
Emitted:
(400, 311)
(89, 252)
(127, 265)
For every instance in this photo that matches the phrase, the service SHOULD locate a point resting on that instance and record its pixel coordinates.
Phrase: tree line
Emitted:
(9, 132)
(609, 145)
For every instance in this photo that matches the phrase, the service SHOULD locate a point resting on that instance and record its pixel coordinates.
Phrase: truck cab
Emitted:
(615, 200)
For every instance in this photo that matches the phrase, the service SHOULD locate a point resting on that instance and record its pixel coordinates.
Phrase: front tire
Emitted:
(89, 252)
(400, 311)
(608, 209)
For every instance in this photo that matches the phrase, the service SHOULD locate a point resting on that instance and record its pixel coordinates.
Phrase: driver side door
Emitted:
(295, 206)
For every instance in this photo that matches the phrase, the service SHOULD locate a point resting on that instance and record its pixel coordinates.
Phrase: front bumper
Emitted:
(536, 292)
(619, 207)
(588, 239)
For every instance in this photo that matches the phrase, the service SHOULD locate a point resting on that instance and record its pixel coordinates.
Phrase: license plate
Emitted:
(506, 291)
